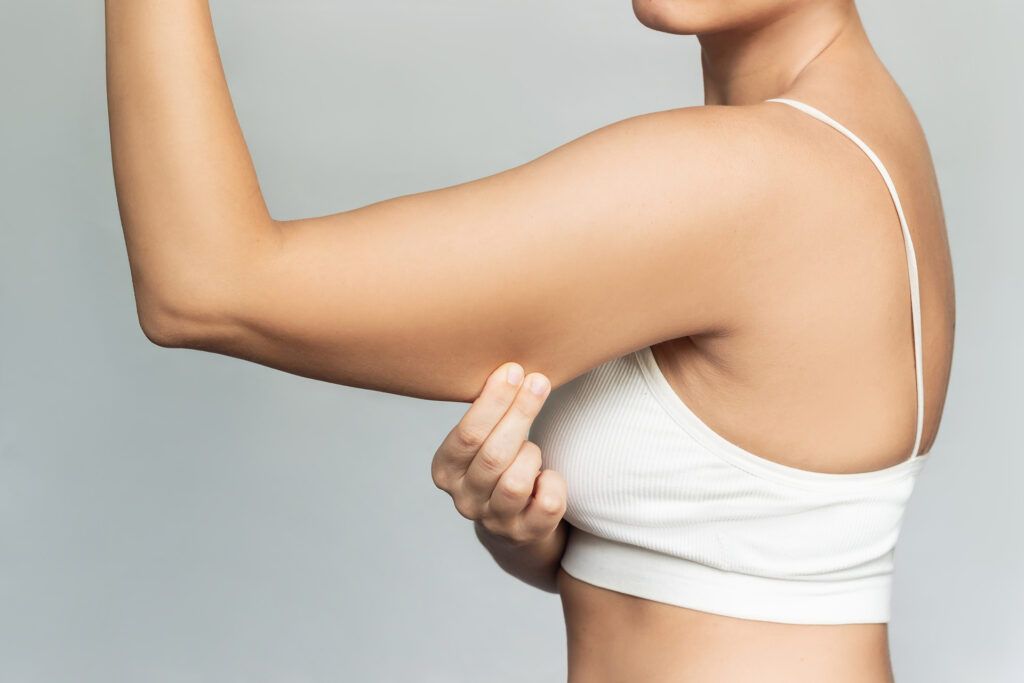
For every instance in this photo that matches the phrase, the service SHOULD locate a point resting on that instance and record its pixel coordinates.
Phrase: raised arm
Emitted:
(624, 237)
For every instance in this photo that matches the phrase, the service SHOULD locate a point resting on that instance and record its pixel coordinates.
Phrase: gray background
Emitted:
(178, 516)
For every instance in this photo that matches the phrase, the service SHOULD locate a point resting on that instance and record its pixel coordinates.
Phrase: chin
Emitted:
(692, 17)
(682, 17)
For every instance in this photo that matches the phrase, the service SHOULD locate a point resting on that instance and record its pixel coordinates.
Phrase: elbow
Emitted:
(181, 319)
(191, 295)
(165, 327)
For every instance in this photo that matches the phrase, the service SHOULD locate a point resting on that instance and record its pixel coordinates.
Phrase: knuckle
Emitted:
(467, 508)
(531, 451)
(490, 459)
(439, 476)
(529, 460)
(551, 505)
(515, 488)
(518, 535)
(469, 437)
(494, 526)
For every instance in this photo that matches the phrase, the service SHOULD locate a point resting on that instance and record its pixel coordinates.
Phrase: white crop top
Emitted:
(664, 508)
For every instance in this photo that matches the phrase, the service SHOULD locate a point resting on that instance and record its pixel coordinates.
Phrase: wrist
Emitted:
(535, 563)
(493, 540)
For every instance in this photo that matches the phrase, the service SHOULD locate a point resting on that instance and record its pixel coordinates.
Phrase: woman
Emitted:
(751, 256)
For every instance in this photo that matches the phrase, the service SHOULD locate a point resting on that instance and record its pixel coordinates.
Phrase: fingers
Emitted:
(515, 486)
(501, 446)
(546, 507)
(461, 444)
(492, 472)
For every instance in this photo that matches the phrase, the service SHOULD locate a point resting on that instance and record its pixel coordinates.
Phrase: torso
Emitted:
(614, 637)
(831, 302)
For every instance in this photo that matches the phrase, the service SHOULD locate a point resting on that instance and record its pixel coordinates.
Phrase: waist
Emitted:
(613, 636)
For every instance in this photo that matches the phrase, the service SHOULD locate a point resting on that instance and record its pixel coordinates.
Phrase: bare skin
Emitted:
(493, 473)
(616, 637)
(755, 248)
(806, 412)
(495, 478)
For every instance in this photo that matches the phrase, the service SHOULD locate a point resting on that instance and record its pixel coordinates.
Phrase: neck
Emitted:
(748, 65)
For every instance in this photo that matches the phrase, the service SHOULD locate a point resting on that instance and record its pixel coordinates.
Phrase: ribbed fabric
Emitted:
(666, 509)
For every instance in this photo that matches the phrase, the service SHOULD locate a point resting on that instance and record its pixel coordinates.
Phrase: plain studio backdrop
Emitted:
(174, 516)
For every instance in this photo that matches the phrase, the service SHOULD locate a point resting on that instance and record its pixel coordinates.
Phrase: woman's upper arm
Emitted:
(621, 238)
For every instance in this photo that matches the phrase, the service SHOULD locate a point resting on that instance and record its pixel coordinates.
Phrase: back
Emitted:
(664, 507)
(819, 372)
(750, 484)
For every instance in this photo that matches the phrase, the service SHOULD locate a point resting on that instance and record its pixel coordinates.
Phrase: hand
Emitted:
(490, 469)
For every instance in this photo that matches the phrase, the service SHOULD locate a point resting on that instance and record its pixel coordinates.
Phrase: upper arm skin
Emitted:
(624, 237)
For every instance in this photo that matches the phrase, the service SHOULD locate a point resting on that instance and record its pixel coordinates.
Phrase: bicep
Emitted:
(608, 243)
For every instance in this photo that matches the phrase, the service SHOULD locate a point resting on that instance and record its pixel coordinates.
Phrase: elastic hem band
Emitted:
(677, 581)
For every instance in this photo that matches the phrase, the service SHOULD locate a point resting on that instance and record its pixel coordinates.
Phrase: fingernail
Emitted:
(538, 384)
(514, 374)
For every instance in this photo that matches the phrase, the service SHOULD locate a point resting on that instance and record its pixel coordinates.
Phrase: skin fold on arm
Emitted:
(632, 234)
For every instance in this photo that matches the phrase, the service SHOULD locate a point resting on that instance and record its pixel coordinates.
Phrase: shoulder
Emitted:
(705, 165)
(718, 135)
(716, 125)
(733, 159)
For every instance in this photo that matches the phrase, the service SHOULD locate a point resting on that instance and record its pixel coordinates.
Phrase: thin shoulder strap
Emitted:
(915, 285)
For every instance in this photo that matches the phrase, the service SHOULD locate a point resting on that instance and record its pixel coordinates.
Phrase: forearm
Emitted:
(189, 198)
(536, 564)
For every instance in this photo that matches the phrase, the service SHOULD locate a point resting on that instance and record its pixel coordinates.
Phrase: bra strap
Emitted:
(915, 285)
